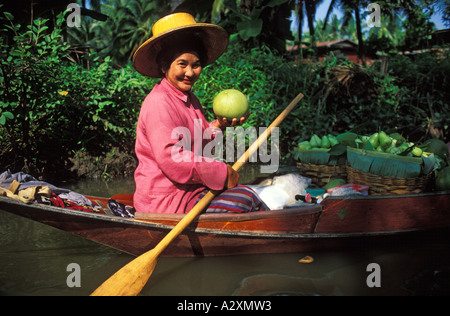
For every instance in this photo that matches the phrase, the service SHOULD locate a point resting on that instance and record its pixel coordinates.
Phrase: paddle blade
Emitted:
(131, 279)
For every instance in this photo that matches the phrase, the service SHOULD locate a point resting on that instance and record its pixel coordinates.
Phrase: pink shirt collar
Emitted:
(183, 96)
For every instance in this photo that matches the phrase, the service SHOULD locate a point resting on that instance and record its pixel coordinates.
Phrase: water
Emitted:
(34, 260)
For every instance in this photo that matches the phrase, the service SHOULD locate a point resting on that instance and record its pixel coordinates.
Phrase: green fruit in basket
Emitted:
(304, 145)
(373, 140)
(385, 140)
(394, 150)
(379, 149)
(364, 138)
(333, 140)
(391, 146)
(443, 179)
(417, 152)
(325, 143)
(403, 147)
(315, 141)
(399, 138)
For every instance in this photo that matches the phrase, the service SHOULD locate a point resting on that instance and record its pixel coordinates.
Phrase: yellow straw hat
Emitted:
(213, 37)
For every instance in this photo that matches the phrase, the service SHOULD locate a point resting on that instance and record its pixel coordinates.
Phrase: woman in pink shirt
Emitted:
(172, 174)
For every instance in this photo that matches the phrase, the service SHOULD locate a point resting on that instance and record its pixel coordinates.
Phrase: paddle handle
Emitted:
(206, 200)
(264, 136)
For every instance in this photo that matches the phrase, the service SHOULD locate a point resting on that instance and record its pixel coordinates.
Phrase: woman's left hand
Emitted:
(223, 122)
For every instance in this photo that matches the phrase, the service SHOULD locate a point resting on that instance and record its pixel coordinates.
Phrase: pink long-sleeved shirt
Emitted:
(168, 182)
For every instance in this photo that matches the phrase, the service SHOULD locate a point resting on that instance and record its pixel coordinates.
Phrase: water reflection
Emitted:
(34, 259)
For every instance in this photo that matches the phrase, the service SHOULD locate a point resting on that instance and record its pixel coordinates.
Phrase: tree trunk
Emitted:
(300, 27)
(311, 13)
(361, 50)
(330, 8)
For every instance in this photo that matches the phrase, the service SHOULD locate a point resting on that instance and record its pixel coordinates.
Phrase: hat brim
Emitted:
(215, 40)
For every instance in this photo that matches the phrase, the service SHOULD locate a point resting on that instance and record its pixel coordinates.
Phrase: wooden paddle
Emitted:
(130, 280)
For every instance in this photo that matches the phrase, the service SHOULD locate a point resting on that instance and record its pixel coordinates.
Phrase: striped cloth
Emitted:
(240, 199)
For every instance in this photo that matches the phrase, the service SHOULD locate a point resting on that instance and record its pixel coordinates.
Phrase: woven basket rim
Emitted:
(372, 175)
(388, 185)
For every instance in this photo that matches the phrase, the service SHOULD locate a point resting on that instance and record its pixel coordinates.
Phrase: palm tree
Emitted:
(307, 8)
(329, 32)
(389, 35)
(129, 25)
(350, 8)
(330, 9)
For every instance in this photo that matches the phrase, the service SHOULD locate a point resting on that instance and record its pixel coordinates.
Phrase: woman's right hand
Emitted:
(232, 178)
(223, 123)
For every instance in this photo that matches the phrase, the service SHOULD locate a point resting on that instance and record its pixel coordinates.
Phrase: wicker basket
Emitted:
(320, 175)
(380, 185)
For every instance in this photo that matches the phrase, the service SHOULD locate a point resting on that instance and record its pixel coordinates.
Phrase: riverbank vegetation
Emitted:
(70, 99)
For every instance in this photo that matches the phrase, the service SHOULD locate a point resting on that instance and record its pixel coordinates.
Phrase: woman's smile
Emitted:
(184, 71)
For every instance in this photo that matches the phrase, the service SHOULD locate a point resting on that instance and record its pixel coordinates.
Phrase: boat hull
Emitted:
(336, 223)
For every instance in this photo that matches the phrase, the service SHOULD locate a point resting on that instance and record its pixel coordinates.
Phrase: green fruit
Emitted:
(304, 145)
(394, 150)
(399, 138)
(315, 141)
(230, 104)
(365, 138)
(325, 143)
(333, 140)
(385, 140)
(403, 147)
(334, 183)
(443, 179)
(373, 140)
(417, 152)
(379, 149)
(391, 146)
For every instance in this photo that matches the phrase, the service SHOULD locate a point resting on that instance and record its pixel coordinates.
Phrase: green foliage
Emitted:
(256, 23)
(424, 81)
(128, 25)
(260, 75)
(52, 110)
(51, 107)
(339, 96)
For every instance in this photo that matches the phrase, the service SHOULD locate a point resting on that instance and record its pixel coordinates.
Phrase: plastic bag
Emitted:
(282, 191)
(274, 197)
(293, 184)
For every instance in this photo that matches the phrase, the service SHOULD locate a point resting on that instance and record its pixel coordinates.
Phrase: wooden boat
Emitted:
(336, 222)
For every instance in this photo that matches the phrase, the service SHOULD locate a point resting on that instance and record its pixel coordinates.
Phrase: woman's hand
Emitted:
(223, 122)
(232, 178)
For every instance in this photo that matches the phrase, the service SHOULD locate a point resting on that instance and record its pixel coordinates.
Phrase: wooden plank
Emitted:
(384, 214)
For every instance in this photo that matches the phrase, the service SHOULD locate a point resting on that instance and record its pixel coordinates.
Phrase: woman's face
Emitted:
(184, 71)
